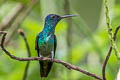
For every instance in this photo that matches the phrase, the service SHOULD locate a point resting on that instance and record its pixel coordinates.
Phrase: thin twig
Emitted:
(105, 62)
(26, 71)
(29, 54)
(67, 65)
(109, 53)
(26, 42)
(116, 31)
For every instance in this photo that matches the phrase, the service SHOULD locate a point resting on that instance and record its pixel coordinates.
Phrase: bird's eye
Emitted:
(52, 17)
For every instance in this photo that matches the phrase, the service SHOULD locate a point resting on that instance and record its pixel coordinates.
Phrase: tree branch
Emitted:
(67, 65)
(29, 54)
(109, 53)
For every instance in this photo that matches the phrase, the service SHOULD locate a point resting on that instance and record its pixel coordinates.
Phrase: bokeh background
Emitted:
(82, 41)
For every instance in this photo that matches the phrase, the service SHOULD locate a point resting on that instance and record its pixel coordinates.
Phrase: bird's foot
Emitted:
(52, 59)
(52, 56)
(41, 56)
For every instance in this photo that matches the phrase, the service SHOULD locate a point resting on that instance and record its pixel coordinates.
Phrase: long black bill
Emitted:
(66, 16)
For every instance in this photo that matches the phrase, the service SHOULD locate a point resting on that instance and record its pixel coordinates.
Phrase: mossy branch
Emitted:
(110, 31)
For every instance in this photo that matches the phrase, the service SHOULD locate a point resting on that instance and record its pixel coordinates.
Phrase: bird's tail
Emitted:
(45, 68)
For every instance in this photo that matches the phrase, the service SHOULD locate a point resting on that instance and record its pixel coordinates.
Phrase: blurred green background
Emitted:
(83, 40)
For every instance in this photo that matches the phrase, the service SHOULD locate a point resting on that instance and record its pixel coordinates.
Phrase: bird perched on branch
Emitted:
(46, 42)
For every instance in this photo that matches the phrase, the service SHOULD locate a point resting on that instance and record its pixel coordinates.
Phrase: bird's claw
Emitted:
(41, 56)
(52, 59)
(52, 56)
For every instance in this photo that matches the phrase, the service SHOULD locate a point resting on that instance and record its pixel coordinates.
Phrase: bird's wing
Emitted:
(45, 71)
(36, 44)
(55, 43)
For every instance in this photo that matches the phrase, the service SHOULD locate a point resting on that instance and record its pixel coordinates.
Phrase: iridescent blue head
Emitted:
(52, 19)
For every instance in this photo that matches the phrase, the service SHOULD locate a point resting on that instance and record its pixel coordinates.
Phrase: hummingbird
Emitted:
(46, 42)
